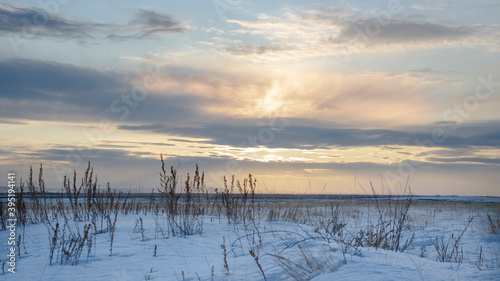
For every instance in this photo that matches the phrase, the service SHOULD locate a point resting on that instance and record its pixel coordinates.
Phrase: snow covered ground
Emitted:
(290, 240)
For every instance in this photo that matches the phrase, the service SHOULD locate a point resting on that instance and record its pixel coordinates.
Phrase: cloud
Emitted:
(149, 23)
(153, 22)
(370, 32)
(251, 49)
(480, 160)
(134, 143)
(312, 137)
(44, 90)
(391, 32)
(329, 32)
(31, 22)
(436, 7)
(61, 154)
(364, 98)
(12, 122)
(35, 89)
(23, 78)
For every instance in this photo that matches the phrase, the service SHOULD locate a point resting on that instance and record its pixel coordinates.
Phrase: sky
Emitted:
(307, 96)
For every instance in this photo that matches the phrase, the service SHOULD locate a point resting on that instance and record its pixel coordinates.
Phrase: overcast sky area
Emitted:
(308, 96)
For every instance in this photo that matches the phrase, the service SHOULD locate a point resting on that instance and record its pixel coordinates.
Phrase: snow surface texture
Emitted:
(289, 246)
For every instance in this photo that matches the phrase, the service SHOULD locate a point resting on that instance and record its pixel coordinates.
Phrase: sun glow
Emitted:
(271, 103)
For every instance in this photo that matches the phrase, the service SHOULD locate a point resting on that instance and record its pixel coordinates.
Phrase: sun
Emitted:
(271, 103)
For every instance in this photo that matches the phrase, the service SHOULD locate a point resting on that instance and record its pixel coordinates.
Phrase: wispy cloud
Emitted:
(34, 21)
(399, 32)
(189, 93)
(326, 32)
(31, 22)
(480, 160)
(250, 49)
(313, 137)
(148, 23)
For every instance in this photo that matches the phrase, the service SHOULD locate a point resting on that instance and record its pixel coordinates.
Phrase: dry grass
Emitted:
(493, 223)
(351, 224)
